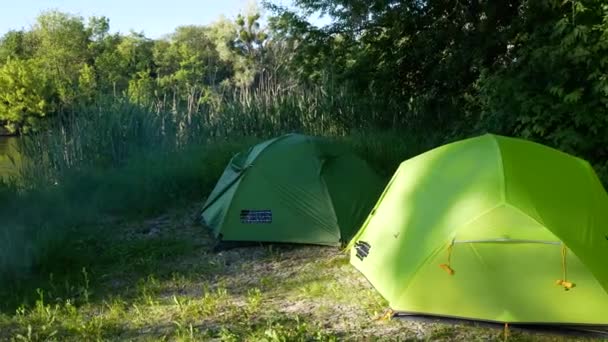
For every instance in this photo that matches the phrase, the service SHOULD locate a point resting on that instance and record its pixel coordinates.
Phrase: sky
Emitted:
(154, 17)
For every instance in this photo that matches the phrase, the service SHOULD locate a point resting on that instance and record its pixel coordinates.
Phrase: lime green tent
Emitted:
(294, 189)
(491, 228)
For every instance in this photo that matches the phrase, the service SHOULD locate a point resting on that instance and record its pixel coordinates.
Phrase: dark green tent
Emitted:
(293, 189)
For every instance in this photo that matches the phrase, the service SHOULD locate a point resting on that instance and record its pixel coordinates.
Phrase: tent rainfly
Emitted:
(491, 228)
(292, 189)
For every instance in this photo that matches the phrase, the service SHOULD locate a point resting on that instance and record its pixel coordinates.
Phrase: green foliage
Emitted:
(81, 61)
(534, 69)
(87, 83)
(385, 150)
(249, 44)
(24, 95)
(524, 68)
(61, 42)
(141, 88)
(553, 88)
(15, 45)
(117, 159)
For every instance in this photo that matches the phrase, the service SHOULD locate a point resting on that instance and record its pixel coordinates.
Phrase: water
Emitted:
(8, 155)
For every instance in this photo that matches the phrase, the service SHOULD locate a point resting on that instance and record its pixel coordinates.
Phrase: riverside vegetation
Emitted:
(123, 136)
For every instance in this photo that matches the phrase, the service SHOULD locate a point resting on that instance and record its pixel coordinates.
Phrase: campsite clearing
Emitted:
(157, 279)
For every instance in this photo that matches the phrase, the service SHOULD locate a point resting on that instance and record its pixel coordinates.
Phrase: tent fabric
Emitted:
(508, 217)
(292, 189)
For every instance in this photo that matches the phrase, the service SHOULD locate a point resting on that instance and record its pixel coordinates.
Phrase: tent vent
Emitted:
(362, 248)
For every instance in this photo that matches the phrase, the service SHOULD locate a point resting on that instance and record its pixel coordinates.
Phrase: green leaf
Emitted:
(574, 96)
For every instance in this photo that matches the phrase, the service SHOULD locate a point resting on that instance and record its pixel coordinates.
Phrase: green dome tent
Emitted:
(293, 189)
(491, 228)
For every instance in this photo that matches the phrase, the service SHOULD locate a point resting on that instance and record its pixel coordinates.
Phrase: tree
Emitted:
(249, 46)
(87, 84)
(112, 71)
(553, 84)
(23, 95)
(98, 28)
(251, 37)
(199, 66)
(240, 45)
(142, 88)
(422, 56)
(15, 44)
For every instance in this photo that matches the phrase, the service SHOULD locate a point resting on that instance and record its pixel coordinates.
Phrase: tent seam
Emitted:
(240, 174)
(501, 170)
(229, 208)
(239, 179)
(329, 198)
(532, 218)
(242, 171)
(282, 137)
(318, 154)
(373, 210)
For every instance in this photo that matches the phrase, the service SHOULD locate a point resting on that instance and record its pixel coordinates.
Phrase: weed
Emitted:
(294, 331)
(184, 332)
(212, 301)
(148, 290)
(254, 301)
(85, 289)
(226, 335)
(266, 282)
(31, 335)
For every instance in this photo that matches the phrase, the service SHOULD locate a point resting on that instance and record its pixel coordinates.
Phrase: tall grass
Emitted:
(112, 131)
(119, 159)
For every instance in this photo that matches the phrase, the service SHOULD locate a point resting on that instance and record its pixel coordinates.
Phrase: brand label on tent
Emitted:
(362, 249)
(256, 216)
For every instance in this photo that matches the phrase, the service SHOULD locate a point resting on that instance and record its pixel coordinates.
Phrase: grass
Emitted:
(96, 244)
(72, 179)
(117, 253)
(170, 286)
(39, 221)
